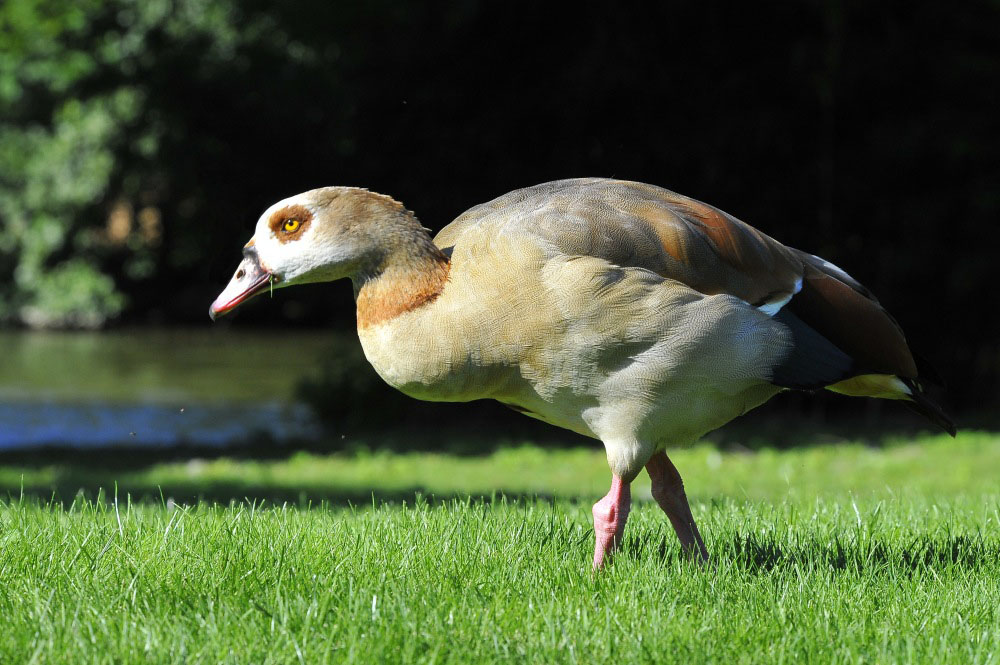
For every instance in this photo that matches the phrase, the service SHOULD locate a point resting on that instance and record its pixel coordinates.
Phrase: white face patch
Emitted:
(285, 260)
(309, 256)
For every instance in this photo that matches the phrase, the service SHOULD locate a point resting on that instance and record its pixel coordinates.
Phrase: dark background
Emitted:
(866, 133)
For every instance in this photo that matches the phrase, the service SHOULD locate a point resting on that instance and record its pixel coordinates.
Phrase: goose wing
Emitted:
(840, 329)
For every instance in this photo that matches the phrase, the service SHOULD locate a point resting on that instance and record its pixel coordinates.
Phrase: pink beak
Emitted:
(250, 279)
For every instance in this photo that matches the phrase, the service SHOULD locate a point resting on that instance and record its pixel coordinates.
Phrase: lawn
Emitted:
(826, 554)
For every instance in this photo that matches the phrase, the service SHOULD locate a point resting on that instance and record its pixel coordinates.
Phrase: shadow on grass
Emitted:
(757, 554)
(126, 456)
(760, 554)
(66, 490)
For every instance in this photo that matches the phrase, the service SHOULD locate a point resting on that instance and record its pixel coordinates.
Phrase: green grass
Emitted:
(827, 554)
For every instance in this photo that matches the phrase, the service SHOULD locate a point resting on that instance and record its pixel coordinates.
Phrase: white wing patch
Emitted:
(835, 269)
(773, 307)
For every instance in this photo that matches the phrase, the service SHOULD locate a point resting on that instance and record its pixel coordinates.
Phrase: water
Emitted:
(155, 388)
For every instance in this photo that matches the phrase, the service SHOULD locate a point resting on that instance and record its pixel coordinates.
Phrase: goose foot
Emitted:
(668, 490)
(610, 514)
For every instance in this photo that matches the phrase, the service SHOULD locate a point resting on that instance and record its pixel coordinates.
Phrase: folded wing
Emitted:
(843, 338)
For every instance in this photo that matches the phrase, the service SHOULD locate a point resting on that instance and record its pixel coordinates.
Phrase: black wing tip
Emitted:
(926, 407)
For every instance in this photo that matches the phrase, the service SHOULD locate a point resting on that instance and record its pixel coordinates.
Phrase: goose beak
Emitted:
(250, 279)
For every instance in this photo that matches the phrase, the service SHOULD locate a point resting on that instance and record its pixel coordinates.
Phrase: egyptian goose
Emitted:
(615, 309)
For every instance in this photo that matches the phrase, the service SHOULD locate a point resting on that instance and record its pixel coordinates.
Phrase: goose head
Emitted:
(319, 236)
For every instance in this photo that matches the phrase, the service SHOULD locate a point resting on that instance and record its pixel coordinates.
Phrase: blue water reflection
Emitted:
(95, 425)
(154, 388)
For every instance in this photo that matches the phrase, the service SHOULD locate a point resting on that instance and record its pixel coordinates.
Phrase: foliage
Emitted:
(85, 145)
(832, 555)
(56, 159)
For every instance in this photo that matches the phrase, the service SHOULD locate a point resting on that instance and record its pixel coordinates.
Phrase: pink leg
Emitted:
(668, 490)
(610, 514)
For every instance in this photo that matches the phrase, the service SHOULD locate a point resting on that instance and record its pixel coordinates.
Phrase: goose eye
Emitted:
(291, 225)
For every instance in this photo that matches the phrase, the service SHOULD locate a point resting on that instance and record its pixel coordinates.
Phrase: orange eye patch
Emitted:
(289, 222)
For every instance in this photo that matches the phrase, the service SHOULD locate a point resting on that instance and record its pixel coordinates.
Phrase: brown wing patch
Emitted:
(762, 266)
(296, 215)
(855, 324)
(714, 253)
(729, 256)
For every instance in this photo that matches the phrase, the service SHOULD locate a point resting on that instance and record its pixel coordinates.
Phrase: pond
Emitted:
(212, 386)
